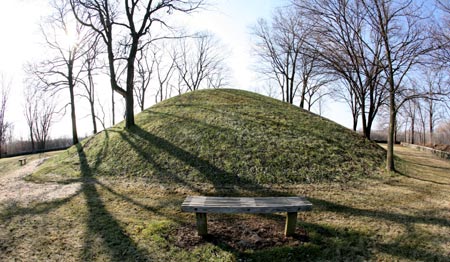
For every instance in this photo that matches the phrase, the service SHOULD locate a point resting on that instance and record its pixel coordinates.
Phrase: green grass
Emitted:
(395, 217)
(225, 137)
(227, 142)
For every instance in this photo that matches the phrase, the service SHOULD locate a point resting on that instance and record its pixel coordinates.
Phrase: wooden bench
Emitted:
(202, 205)
(23, 161)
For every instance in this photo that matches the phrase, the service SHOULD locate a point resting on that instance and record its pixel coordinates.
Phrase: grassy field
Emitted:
(118, 193)
(9, 164)
(224, 137)
(397, 217)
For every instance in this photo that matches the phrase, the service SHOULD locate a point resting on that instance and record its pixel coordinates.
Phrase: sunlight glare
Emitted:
(70, 39)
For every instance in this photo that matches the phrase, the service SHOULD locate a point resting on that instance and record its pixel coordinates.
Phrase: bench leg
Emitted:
(202, 227)
(291, 223)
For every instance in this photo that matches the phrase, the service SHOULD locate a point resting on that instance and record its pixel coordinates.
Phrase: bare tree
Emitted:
(422, 122)
(316, 91)
(200, 60)
(5, 86)
(30, 111)
(346, 93)
(139, 16)
(350, 52)
(282, 49)
(441, 33)
(410, 109)
(165, 69)
(400, 26)
(424, 112)
(89, 68)
(40, 111)
(145, 70)
(44, 120)
(436, 80)
(443, 133)
(67, 40)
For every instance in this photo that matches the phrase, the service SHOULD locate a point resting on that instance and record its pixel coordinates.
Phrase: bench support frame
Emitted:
(202, 205)
(289, 229)
(23, 161)
(291, 223)
(202, 226)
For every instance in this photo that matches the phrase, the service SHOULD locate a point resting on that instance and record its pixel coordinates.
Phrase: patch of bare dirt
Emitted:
(14, 189)
(240, 235)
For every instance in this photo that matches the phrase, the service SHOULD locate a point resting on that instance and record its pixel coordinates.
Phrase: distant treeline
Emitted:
(418, 137)
(24, 147)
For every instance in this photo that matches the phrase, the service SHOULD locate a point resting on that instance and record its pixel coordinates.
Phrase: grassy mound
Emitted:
(223, 137)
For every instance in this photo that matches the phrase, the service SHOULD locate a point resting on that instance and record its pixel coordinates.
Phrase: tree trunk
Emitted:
(363, 119)
(72, 104)
(383, 31)
(369, 128)
(391, 135)
(32, 140)
(302, 98)
(431, 126)
(94, 123)
(73, 116)
(92, 101)
(129, 98)
(113, 107)
(355, 123)
(129, 108)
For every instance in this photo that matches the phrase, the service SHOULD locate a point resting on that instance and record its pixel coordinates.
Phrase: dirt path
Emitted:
(14, 189)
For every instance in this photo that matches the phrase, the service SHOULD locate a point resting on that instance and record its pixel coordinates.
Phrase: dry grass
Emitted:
(397, 217)
(12, 163)
(405, 216)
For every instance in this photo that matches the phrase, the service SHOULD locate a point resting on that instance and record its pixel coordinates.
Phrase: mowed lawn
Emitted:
(393, 217)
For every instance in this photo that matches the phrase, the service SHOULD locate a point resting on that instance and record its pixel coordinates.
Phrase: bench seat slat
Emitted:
(202, 204)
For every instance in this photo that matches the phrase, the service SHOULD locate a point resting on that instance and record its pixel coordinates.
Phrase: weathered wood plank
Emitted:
(245, 204)
(202, 205)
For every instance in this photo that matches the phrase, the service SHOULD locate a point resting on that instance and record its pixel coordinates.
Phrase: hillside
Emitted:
(222, 137)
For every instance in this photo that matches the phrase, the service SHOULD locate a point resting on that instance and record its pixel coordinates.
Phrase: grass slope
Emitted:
(224, 137)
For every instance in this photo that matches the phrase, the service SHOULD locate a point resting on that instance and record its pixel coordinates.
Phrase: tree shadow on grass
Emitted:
(102, 225)
(225, 183)
(396, 247)
(342, 243)
(320, 204)
(422, 179)
(13, 209)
